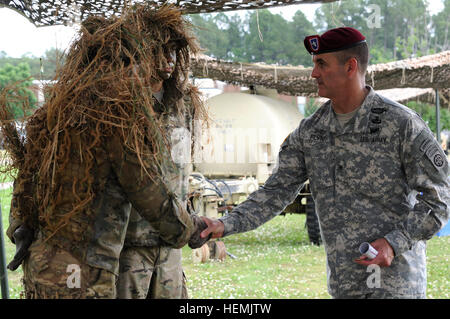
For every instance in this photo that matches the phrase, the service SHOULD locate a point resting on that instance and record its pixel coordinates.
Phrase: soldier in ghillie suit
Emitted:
(149, 268)
(95, 149)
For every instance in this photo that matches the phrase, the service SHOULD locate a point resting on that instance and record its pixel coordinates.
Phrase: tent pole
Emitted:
(438, 117)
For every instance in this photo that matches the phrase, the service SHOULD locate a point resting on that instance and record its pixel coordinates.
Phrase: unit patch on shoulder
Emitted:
(427, 144)
(438, 160)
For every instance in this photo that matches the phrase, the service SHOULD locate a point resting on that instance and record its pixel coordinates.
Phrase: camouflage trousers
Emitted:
(151, 273)
(53, 273)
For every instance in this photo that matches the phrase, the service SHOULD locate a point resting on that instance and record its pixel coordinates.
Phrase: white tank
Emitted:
(245, 135)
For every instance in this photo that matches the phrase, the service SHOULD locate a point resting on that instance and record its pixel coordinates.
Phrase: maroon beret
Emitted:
(333, 40)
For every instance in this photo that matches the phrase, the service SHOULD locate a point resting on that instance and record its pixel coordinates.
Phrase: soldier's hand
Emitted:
(196, 241)
(23, 237)
(215, 228)
(384, 257)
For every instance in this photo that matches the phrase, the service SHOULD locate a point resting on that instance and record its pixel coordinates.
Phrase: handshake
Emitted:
(204, 229)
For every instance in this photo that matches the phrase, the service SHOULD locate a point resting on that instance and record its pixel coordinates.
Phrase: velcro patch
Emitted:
(317, 138)
(430, 147)
(425, 144)
(438, 160)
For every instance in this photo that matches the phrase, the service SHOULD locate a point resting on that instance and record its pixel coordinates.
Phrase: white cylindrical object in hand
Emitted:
(367, 250)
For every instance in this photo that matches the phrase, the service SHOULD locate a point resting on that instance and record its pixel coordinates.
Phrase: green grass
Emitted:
(273, 261)
(277, 261)
(14, 277)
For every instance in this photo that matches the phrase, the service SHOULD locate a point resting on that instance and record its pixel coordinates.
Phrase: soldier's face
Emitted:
(168, 66)
(329, 74)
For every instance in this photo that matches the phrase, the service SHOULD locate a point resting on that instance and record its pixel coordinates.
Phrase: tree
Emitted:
(235, 33)
(299, 28)
(339, 14)
(210, 36)
(268, 39)
(441, 25)
(40, 67)
(17, 81)
(406, 30)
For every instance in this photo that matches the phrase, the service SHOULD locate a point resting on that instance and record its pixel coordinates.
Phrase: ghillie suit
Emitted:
(148, 268)
(95, 148)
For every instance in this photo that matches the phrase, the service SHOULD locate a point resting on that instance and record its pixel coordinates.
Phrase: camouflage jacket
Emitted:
(178, 127)
(96, 234)
(361, 177)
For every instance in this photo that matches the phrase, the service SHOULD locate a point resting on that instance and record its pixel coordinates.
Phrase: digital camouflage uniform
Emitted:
(148, 267)
(97, 254)
(360, 177)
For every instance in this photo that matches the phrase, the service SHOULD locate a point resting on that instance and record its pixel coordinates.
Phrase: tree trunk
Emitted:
(445, 46)
(395, 41)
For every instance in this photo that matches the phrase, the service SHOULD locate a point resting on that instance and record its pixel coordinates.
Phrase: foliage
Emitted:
(259, 37)
(441, 25)
(19, 77)
(406, 29)
(379, 55)
(14, 277)
(209, 33)
(42, 68)
(298, 29)
(265, 40)
(310, 107)
(428, 114)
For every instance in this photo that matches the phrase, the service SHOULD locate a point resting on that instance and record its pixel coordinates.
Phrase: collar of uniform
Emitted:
(357, 124)
(360, 122)
(327, 120)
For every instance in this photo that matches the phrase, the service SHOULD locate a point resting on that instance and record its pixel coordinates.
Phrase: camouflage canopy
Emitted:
(66, 12)
(432, 71)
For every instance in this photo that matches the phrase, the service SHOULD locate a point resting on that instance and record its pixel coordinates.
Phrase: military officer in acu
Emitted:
(364, 156)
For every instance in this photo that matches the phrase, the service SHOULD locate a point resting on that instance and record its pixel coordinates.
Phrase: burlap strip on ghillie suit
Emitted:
(102, 91)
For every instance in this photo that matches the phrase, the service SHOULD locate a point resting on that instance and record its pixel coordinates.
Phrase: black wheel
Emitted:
(312, 222)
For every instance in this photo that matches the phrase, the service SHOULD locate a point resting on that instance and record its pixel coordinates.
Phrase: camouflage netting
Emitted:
(431, 71)
(67, 12)
(102, 90)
